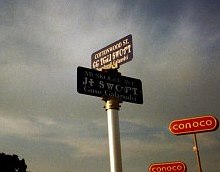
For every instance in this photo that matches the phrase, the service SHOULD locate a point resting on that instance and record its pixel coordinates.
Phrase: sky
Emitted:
(55, 129)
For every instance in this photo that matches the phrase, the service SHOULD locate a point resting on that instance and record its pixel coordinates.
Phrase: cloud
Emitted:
(55, 131)
(27, 128)
(21, 127)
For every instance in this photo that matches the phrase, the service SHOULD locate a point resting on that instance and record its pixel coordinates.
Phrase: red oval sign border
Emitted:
(196, 131)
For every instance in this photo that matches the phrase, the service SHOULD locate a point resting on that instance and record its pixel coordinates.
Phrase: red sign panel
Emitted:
(194, 125)
(176, 166)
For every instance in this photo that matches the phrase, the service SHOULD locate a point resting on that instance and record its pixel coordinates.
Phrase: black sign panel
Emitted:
(107, 84)
(118, 52)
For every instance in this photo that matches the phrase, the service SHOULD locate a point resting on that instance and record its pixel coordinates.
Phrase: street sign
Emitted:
(194, 125)
(176, 166)
(118, 53)
(108, 84)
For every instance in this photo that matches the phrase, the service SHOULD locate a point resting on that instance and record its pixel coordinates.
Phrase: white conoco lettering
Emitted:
(179, 167)
(175, 126)
(167, 168)
(208, 122)
(181, 126)
(195, 124)
(202, 123)
(192, 125)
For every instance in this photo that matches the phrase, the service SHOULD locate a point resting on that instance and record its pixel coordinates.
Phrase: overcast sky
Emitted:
(55, 129)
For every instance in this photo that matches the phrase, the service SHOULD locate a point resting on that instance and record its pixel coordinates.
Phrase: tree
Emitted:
(11, 163)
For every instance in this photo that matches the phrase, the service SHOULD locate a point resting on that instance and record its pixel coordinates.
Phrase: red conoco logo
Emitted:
(176, 166)
(194, 125)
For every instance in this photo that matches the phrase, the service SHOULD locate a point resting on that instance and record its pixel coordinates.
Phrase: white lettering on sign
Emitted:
(194, 124)
(89, 82)
(113, 48)
(169, 168)
(118, 53)
(109, 86)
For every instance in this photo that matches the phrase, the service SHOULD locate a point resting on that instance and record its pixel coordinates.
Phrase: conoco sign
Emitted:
(176, 166)
(194, 125)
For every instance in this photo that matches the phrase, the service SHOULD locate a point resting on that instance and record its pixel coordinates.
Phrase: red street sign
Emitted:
(118, 53)
(194, 125)
(176, 166)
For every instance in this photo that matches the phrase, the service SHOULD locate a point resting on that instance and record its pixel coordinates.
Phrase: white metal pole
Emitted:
(196, 149)
(112, 108)
(114, 140)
